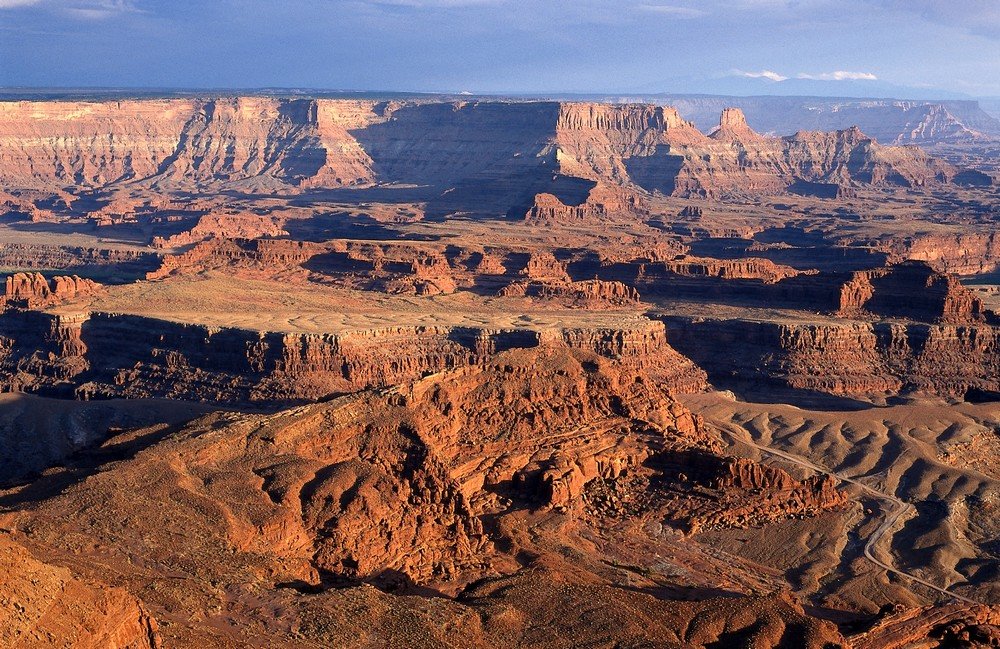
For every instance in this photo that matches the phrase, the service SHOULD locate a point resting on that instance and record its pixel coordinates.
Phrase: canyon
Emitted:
(292, 370)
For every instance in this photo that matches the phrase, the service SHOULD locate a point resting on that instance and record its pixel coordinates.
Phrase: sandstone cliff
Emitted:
(106, 355)
(490, 156)
(851, 358)
(33, 290)
(910, 290)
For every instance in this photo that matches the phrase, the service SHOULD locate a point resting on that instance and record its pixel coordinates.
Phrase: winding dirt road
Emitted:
(899, 507)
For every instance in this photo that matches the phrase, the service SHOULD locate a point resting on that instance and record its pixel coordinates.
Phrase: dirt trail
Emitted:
(896, 512)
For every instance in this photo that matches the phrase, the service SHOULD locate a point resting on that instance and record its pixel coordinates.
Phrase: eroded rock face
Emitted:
(951, 625)
(33, 290)
(107, 355)
(589, 294)
(750, 268)
(853, 358)
(42, 605)
(504, 475)
(913, 291)
(176, 142)
(400, 483)
(603, 202)
(733, 128)
(496, 154)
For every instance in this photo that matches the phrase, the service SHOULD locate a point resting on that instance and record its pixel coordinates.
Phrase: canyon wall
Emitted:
(104, 261)
(849, 358)
(178, 142)
(488, 155)
(103, 355)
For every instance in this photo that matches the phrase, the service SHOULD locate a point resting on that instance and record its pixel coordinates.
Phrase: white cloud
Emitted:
(433, 4)
(674, 11)
(770, 75)
(100, 9)
(86, 9)
(839, 75)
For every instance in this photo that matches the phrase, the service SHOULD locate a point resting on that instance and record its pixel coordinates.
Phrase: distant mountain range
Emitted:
(890, 121)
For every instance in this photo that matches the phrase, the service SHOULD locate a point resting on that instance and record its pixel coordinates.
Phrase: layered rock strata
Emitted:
(429, 484)
(33, 290)
(495, 154)
(852, 358)
(106, 355)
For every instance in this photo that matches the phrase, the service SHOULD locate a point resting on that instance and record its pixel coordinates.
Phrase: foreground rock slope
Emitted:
(477, 473)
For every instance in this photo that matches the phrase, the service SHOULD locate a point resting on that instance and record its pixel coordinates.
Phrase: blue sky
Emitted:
(876, 47)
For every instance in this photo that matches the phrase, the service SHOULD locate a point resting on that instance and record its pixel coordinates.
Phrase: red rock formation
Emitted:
(543, 266)
(177, 142)
(910, 290)
(966, 252)
(603, 202)
(283, 145)
(134, 357)
(733, 128)
(43, 605)
(748, 493)
(352, 486)
(24, 255)
(588, 294)
(33, 290)
(224, 226)
(747, 268)
(857, 359)
(267, 257)
(951, 625)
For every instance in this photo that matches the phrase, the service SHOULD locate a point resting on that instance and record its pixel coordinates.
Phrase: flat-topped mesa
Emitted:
(603, 201)
(588, 294)
(614, 117)
(746, 268)
(33, 290)
(910, 290)
(733, 128)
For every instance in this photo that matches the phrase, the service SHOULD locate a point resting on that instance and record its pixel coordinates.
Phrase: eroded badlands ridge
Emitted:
(494, 472)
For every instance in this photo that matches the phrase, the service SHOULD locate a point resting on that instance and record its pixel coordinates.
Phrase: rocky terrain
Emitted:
(426, 371)
(255, 144)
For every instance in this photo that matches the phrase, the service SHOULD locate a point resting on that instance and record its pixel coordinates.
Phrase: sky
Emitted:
(900, 48)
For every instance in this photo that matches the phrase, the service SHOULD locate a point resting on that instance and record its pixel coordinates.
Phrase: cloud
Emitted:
(674, 11)
(99, 9)
(85, 9)
(432, 4)
(770, 75)
(838, 75)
